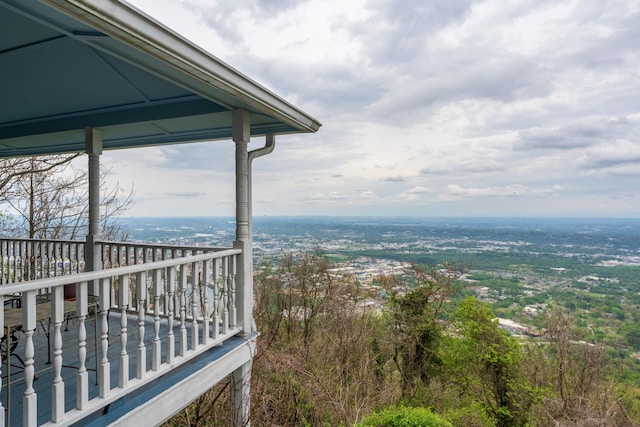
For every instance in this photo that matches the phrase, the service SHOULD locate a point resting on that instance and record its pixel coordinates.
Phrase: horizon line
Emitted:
(391, 216)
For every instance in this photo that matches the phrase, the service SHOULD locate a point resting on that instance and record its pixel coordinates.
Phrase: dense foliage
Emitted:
(328, 357)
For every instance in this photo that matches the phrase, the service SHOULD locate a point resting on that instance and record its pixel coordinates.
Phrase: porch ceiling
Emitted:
(68, 64)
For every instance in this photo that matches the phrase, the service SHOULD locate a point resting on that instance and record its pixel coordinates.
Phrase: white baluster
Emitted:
(225, 296)
(11, 259)
(123, 302)
(57, 388)
(232, 284)
(104, 374)
(43, 259)
(171, 340)
(195, 287)
(30, 399)
(49, 256)
(183, 309)
(156, 348)
(205, 293)
(141, 355)
(112, 295)
(82, 396)
(19, 262)
(216, 298)
(28, 265)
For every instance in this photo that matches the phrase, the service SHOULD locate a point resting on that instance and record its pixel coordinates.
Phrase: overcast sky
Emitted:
(429, 108)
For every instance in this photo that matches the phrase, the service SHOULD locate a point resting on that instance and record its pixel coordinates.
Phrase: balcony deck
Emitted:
(118, 407)
(81, 361)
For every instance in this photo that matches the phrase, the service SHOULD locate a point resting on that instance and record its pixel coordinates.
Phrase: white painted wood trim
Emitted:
(175, 398)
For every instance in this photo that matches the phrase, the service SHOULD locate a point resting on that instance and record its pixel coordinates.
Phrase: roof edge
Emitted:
(129, 25)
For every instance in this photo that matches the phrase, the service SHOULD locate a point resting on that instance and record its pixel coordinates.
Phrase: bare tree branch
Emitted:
(48, 199)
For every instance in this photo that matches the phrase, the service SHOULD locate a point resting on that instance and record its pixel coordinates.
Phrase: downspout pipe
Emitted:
(270, 145)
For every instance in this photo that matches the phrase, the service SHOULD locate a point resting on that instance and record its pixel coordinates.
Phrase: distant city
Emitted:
(602, 242)
(521, 266)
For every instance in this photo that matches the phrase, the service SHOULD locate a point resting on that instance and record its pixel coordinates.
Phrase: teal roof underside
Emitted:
(69, 64)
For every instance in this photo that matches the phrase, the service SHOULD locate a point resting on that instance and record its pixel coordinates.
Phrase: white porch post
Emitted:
(93, 258)
(93, 141)
(240, 382)
(244, 291)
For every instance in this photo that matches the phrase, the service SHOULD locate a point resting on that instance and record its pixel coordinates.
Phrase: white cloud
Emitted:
(480, 106)
(412, 195)
(512, 190)
(610, 156)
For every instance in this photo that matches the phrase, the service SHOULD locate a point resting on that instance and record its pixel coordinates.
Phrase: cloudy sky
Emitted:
(429, 108)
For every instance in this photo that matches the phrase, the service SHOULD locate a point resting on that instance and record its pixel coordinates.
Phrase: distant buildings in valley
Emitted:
(365, 269)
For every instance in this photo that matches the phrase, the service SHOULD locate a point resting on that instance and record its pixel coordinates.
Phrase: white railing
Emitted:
(117, 254)
(28, 259)
(188, 302)
(31, 259)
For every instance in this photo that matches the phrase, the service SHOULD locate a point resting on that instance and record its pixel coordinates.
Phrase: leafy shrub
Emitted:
(472, 415)
(403, 416)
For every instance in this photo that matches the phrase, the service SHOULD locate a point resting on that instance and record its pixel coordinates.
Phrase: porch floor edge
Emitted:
(162, 398)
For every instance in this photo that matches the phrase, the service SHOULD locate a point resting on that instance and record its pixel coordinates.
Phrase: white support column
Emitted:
(244, 291)
(241, 377)
(240, 382)
(241, 136)
(93, 141)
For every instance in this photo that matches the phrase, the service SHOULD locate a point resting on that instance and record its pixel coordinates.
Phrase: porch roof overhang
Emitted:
(69, 64)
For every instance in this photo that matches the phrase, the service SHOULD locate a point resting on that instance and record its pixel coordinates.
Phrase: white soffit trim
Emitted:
(130, 26)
